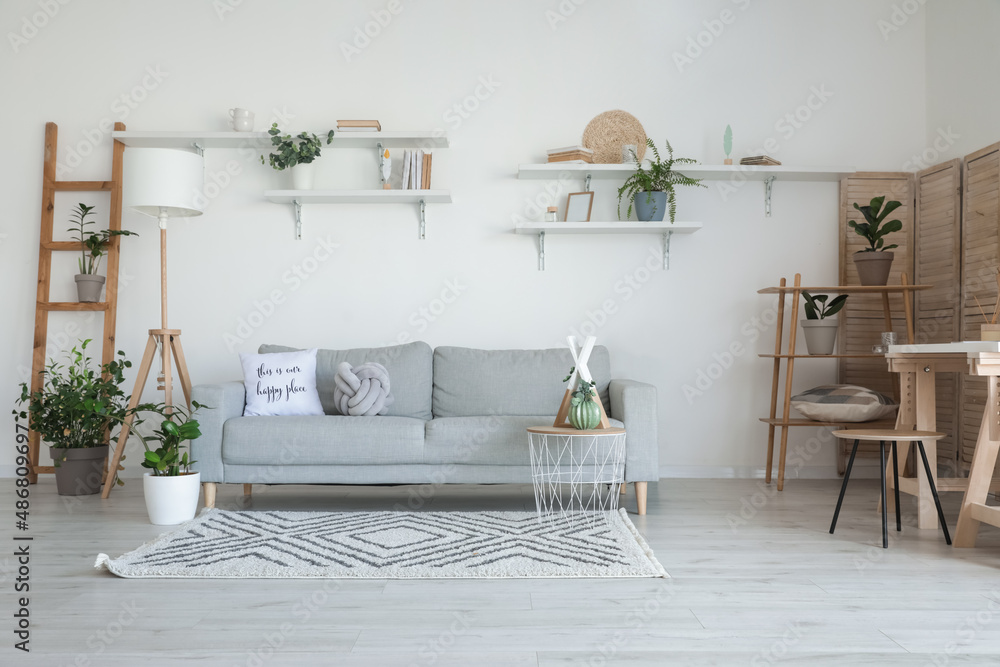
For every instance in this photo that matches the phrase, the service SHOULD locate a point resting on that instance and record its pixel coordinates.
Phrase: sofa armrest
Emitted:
(634, 404)
(222, 402)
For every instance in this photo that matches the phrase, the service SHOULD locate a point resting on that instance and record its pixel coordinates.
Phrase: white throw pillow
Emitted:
(281, 384)
(844, 403)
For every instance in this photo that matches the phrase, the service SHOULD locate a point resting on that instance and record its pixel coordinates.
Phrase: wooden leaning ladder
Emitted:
(46, 246)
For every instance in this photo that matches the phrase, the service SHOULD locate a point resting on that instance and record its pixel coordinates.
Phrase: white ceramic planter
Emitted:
(171, 500)
(820, 335)
(303, 176)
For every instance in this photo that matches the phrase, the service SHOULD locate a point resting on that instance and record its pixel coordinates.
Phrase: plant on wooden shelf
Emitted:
(170, 488)
(75, 411)
(88, 282)
(295, 153)
(873, 263)
(651, 190)
(584, 412)
(820, 327)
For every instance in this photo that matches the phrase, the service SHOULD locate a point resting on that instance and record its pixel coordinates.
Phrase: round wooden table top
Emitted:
(563, 430)
(886, 434)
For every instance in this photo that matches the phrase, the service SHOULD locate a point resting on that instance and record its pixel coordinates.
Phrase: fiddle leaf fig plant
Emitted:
(873, 229)
(817, 307)
(659, 177)
(289, 151)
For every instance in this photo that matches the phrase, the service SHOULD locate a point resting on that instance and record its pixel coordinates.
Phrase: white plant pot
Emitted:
(303, 176)
(820, 335)
(171, 500)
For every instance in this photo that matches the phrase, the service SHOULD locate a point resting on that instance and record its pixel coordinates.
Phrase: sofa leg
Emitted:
(624, 488)
(209, 488)
(640, 497)
(248, 489)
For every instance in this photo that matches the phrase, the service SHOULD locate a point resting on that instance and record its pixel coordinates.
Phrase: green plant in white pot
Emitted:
(74, 412)
(874, 262)
(170, 488)
(651, 190)
(295, 153)
(88, 282)
(820, 327)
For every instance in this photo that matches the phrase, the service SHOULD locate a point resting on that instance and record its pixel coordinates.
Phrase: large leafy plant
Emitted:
(163, 456)
(77, 405)
(873, 228)
(93, 242)
(289, 151)
(658, 177)
(817, 307)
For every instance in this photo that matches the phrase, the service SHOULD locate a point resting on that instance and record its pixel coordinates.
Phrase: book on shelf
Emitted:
(425, 183)
(764, 160)
(572, 157)
(567, 153)
(359, 125)
(569, 149)
(404, 181)
(416, 173)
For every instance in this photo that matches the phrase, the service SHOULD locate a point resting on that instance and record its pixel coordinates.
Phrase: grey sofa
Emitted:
(459, 416)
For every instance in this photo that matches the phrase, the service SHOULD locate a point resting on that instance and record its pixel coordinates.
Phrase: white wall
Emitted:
(549, 79)
(963, 100)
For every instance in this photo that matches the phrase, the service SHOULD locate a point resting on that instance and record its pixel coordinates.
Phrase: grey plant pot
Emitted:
(88, 287)
(821, 335)
(79, 472)
(650, 211)
(873, 267)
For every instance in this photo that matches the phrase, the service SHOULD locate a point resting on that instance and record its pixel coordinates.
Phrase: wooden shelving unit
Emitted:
(785, 420)
(665, 229)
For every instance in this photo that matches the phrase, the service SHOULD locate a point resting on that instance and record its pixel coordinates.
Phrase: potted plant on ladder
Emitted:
(171, 488)
(820, 327)
(873, 263)
(88, 282)
(295, 153)
(74, 412)
(651, 190)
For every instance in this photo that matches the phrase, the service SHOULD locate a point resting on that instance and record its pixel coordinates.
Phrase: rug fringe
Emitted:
(642, 543)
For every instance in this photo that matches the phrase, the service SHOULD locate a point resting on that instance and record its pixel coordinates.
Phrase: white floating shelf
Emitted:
(299, 197)
(359, 196)
(607, 227)
(189, 139)
(713, 172)
(263, 139)
(664, 229)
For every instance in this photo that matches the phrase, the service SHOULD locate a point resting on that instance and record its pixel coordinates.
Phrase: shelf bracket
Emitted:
(541, 250)
(423, 220)
(586, 183)
(198, 148)
(298, 219)
(381, 163)
(666, 250)
(768, 183)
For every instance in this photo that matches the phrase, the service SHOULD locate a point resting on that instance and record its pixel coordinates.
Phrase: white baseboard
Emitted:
(861, 471)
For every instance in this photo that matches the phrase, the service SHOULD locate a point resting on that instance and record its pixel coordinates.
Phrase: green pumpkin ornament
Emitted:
(584, 412)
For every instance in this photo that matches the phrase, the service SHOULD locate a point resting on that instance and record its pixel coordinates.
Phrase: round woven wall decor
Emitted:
(609, 131)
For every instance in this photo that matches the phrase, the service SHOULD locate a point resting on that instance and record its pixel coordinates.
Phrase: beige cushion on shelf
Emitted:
(844, 403)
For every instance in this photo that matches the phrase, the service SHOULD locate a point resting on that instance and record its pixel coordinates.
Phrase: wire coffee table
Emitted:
(576, 472)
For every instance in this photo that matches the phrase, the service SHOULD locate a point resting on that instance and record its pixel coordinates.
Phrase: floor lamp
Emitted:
(163, 183)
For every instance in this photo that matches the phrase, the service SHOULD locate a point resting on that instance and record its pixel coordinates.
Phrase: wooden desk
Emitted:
(918, 366)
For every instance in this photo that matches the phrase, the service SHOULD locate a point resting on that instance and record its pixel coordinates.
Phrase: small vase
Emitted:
(820, 335)
(873, 267)
(171, 500)
(88, 287)
(303, 175)
(650, 206)
(79, 471)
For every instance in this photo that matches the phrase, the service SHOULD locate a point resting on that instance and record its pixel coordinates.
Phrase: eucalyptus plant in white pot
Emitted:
(296, 154)
(820, 327)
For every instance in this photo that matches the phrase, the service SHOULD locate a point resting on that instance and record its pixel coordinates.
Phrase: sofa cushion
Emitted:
(280, 384)
(326, 440)
(469, 382)
(490, 440)
(408, 365)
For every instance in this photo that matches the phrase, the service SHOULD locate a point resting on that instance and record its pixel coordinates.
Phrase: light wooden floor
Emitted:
(769, 587)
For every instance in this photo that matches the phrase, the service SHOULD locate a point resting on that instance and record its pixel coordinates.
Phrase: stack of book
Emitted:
(359, 126)
(416, 170)
(765, 160)
(571, 154)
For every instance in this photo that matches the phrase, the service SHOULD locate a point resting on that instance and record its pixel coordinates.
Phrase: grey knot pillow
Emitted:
(846, 403)
(363, 390)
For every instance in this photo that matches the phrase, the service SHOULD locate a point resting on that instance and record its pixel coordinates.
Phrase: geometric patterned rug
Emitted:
(391, 545)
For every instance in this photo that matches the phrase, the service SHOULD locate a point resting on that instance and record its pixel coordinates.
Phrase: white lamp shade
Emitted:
(164, 180)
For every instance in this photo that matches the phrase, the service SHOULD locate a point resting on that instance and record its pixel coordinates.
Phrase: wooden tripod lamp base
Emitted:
(169, 342)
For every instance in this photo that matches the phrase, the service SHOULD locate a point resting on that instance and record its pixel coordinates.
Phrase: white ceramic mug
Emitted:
(242, 120)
